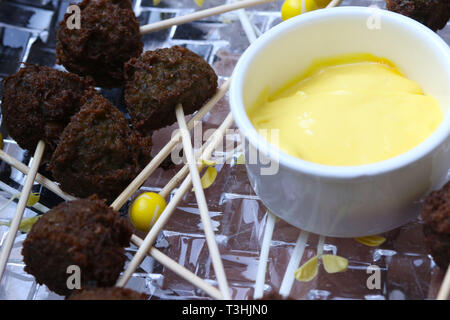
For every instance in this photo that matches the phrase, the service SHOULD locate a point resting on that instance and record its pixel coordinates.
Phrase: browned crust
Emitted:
(85, 233)
(158, 80)
(98, 153)
(109, 36)
(38, 103)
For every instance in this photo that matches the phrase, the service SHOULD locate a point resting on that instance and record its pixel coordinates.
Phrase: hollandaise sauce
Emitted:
(348, 110)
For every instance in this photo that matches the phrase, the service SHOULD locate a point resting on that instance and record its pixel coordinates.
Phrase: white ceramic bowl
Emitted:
(344, 201)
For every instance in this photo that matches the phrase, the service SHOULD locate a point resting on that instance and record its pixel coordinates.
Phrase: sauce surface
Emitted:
(345, 111)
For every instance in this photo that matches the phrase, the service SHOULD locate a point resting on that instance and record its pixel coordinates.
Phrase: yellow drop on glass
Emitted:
(371, 241)
(33, 199)
(308, 270)
(241, 159)
(28, 223)
(333, 263)
(209, 177)
(199, 2)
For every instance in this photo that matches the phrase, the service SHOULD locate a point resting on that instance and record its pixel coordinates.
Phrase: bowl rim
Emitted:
(327, 171)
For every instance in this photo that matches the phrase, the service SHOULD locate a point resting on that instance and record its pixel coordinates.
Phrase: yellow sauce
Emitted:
(348, 110)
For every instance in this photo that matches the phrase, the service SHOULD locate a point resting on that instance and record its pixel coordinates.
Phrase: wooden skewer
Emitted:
(202, 205)
(200, 15)
(444, 291)
(204, 153)
(334, 3)
(181, 174)
(177, 178)
(320, 246)
(171, 206)
(264, 255)
(6, 251)
(179, 270)
(247, 25)
(13, 162)
(296, 256)
(159, 158)
(160, 25)
(186, 185)
(200, 154)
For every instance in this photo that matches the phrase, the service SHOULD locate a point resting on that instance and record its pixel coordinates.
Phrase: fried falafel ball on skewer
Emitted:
(98, 152)
(158, 80)
(108, 37)
(432, 13)
(85, 233)
(38, 103)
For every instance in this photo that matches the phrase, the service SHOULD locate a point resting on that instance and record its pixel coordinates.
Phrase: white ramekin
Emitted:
(332, 200)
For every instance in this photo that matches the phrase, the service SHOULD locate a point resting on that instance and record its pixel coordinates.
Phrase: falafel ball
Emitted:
(84, 233)
(109, 36)
(436, 228)
(158, 80)
(111, 293)
(432, 13)
(98, 153)
(38, 103)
